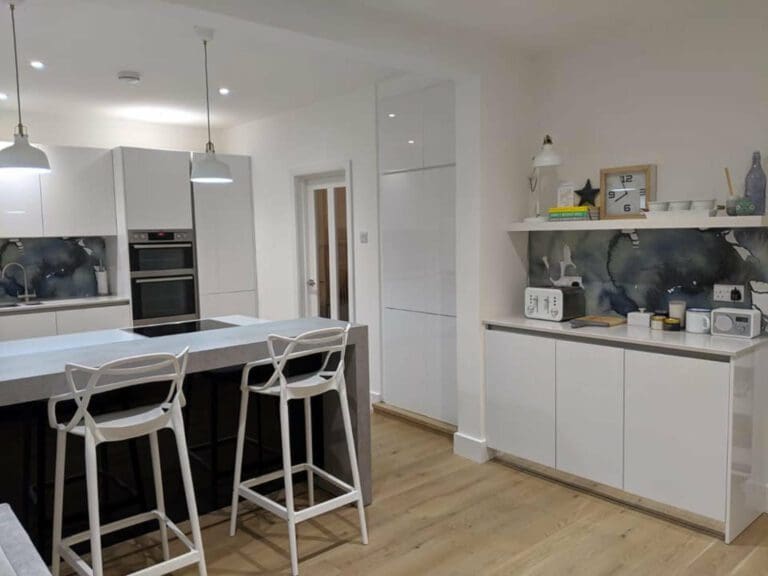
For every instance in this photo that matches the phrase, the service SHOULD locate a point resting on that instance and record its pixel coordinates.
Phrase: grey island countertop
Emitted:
(33, 369)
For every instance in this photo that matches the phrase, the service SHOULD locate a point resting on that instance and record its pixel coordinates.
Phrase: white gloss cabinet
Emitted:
(590, 411)
(400, 132)
(226, 250)
(418, 240)
(31, 325)
(676, 431)
(520, 389)
(78, 196)
(417, 129)
(86, 319)
(420, 363)
(158, 193)
(21, 213)
(227, 304)
(224, 231)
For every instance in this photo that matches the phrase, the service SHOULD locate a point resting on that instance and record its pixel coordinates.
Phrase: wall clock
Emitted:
(626, 191)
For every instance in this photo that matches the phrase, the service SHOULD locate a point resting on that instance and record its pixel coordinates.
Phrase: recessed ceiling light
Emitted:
(3, 96)
(392, 115)
(224, 91)
(129, 77)
(36, 64)
(411, 141)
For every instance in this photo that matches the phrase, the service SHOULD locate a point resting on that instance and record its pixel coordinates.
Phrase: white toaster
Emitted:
(739, 322)
(558, 303)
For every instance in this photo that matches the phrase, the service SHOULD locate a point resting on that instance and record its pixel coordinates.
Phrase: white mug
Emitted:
(697, 320)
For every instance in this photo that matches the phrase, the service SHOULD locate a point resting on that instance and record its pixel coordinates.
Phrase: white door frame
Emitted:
(313, 175)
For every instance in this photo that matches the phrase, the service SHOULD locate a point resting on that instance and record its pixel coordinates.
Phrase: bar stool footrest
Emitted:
(167, 566)
(350, 495)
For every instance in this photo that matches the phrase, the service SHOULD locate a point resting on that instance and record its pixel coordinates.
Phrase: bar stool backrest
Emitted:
(330, 342)
(120, 374)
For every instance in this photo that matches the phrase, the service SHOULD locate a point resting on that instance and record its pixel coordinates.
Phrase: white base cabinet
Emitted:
(655, 425)
(520, 380)
(590, 411)
(19, 326)
(86, 319)
(37, 324)
(676, 433)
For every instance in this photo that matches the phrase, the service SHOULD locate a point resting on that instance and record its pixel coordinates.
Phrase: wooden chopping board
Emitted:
(602, 321)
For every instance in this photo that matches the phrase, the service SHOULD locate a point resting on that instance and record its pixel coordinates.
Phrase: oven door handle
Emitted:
(173, 245)
(166, 279)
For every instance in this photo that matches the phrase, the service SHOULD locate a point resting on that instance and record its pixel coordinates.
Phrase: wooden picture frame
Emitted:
(649, 172)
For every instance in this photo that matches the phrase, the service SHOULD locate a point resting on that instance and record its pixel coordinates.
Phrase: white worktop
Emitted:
(65, 304)
(637, 335)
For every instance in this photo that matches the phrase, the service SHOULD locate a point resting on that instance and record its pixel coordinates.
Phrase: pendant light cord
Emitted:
(209, 145)
(16, 62)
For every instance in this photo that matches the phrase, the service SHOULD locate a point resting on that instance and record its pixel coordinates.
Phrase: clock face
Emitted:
(625, 194)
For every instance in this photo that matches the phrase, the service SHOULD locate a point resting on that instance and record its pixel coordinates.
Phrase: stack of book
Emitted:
(571, 213)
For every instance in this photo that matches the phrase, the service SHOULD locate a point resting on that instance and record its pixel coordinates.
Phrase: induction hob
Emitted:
(179, 328)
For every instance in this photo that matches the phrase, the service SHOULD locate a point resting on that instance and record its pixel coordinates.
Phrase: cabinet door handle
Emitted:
(170, 279)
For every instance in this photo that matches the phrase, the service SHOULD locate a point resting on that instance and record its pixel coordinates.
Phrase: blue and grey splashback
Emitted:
(624, 271)
(56, 267)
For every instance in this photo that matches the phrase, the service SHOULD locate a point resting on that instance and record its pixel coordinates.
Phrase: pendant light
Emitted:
(209, 169)
(21, 156)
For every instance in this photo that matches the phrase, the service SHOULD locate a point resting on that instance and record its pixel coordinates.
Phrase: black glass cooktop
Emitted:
(179, 328)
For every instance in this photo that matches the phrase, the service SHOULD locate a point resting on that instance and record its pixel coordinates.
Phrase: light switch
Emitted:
(363, 237)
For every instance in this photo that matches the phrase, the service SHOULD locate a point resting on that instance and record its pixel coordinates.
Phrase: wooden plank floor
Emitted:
(436, 513)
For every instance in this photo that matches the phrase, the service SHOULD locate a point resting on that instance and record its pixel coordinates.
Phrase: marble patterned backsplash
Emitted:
(624, 271)
(56, 267)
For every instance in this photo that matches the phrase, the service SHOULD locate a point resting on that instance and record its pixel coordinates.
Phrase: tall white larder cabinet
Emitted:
(226, 253)
(418, 238)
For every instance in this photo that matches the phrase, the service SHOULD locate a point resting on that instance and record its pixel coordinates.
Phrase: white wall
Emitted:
(341, 129)
(62, 130)
(691, 100)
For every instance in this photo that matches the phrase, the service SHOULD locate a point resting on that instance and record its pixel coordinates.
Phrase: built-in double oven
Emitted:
(163, 276)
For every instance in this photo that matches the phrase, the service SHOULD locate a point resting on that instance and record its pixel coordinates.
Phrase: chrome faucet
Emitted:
(26, 296)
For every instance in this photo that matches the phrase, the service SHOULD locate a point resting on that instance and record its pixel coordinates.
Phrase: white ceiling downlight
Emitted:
(37, 64)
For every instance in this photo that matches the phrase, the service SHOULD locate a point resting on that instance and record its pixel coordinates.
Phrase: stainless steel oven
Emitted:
(163, 276)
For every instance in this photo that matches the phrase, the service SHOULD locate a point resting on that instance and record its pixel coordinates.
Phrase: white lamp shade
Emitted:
(547, 156)
(210, 170)
(23, 158)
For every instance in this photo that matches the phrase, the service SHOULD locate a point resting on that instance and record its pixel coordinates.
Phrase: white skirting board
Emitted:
(475, 449)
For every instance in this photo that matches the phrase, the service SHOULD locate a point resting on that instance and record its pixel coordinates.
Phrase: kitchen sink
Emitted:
(33, 303)
(9, 304)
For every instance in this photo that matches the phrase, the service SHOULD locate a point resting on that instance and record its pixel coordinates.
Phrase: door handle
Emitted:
(311, 283)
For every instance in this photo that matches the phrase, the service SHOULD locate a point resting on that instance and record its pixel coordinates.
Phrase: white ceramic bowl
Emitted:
(703, 204)
(678, 205)
(658, 206)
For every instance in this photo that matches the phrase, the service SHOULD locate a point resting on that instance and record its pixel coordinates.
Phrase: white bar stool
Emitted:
(330, 342)
(115, 427)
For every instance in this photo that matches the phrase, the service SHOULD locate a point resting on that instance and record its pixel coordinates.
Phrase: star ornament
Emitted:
(588, 195)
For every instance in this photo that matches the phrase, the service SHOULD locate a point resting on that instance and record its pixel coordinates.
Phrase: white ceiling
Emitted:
(84, 43)
(540, 25)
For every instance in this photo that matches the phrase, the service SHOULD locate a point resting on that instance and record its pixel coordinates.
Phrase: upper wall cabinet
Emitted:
(224, 230)
(78, 196)
(439, 122)
(20, 206)
(157, 189)
(417, 129)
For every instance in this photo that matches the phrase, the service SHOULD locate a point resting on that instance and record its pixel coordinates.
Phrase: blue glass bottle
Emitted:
(754, 185)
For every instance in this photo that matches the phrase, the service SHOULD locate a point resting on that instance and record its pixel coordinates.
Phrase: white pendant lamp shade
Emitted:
(209, 169)
(21, 157)
(547, 156)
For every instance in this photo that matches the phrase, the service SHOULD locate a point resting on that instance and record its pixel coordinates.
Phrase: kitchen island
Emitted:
(32, 370)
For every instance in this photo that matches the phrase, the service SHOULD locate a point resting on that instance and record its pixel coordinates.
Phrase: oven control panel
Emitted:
(160, 236)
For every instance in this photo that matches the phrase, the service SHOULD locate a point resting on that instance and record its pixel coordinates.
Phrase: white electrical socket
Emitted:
(727, 293)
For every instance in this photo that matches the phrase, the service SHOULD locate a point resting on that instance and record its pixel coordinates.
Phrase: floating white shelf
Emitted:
(685, 220)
